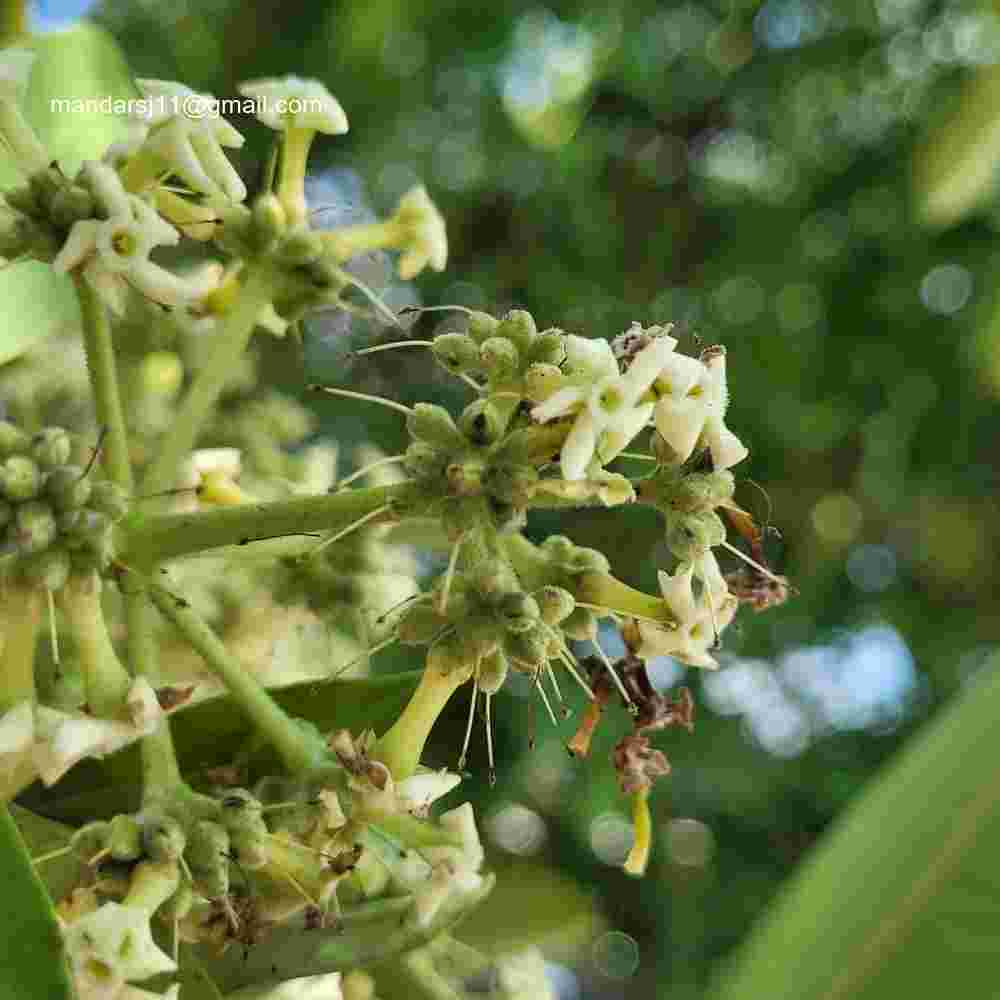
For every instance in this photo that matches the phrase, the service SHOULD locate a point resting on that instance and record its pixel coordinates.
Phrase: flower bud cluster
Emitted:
(54, 517)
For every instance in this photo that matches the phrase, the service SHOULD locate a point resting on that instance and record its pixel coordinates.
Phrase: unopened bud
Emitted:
(554, 603)
(482, 326)
(109, 499)
(51, 447)
(513, 484)
(124, 838)
(12, 439)
(449, 654)
(519, 612)
(541, 381)
(48, 570)
(690, 536)
(527, 650)
(549, 348)
(581, 625)
(35, 526)
(90, 840)
(66, 487)
(22, 198)
(71, 204)
(434, 425)
(302, 247)
(420, 625)
(207, 854)
(161, 373)
(163, 838)
(20, 478)
(269, 220)
(500, 357)
(481, 422)
(519, 327)
(493, 671)
(457, 352)
(425, 461)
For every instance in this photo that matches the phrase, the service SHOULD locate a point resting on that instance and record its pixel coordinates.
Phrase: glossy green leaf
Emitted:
(903, 896)
(30, 943)
(216, 733)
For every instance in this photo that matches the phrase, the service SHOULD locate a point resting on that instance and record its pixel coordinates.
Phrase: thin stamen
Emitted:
(631, 614)
(52, 855)
(412, 599)
(637, 456)
(751, 562)
(53, 633)
(614, 676)
(360, 522)
(545, 699)
(468, 727)
(570, 663)
(372, 297)
(409, 310)
(552, 679)
(391, 460)
(391, 347)
(469, 380)
(348, 394)
(448, 577)
(489, 740)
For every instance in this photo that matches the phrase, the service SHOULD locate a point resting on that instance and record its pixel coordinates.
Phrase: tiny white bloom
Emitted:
(607, 403)
(187, 134)
(292, 102)
(693, 408)
(424, 241)
(699, 621)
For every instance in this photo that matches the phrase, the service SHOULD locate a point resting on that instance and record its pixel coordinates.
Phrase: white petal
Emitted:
(17, 728)
(419, 791)
(647, 365)
(217, 166)
(585, 356)
(680, 423)
(578, 448)
(622, 430)
(118, 936)
(80, 244)
(296, 102)
(559, 404)
(143, 706)
(680, 375)
(726, 448)
(678, 594)
(107, 187)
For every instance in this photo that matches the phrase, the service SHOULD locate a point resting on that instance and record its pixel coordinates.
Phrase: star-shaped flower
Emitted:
(692, 408)
(606, 402)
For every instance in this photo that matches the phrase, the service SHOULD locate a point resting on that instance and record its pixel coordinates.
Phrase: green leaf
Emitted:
(33, 964)
(902, 898)
(216, 733)
(34, 302)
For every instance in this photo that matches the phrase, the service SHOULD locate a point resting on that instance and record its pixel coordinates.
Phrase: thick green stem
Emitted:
(157, 539)
(230, 343)
(302, 750)
(21, 614)
(104, 382)
(105, 681)
(604, 591)
(291, 184)
(161, 774)
(400, 748)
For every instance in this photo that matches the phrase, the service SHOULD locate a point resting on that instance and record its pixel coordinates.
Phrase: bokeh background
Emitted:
(809, 183)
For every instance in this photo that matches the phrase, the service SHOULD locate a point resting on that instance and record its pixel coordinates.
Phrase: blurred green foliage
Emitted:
(799, 180)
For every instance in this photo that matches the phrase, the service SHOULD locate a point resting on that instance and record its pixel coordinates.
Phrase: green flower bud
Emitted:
(690, 536)
(45, 184)
(20, 478)
(420, 625)
(35, 526)
(108, 499)
(161, 374)
(67, 488)
(450, 653)
(457, 352)
(269, 220)
(527, 650)
(302, 247)
(90, 840)
(92, 555)
(425, 461)
(465, 478)
(581, 625)
(22, 198)
(12, 439)
(481, 422)
(589, 561)
(500, 357)
(70, 205)
(124, 838)
(554, 603)
(493, 671)
(518, 612)
(549, 348)
(433, 424)
(179, 905)
(243, 818)
(81, 527)
(513, 484)
(163, 838)
(207, 855)
(48, 570)
(6, 513)
(482, 326)
(519, 327)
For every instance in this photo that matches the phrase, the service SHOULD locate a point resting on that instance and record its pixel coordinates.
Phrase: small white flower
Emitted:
(693, 408)
(114, 252)
(455, 871)
(187, 135)
(423, 238)
(699, 621)
(292, 102)
(417, 793)
(607, 403)
(111, 946)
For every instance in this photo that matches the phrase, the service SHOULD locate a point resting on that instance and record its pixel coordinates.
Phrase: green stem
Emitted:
(230, 343)
(104, 381)
(303, 751)
(160, 538)
(619, 598)
(106, 682)
(21, 617)
(349, 241)
(400, 748)
(291, 184)
(161, 773)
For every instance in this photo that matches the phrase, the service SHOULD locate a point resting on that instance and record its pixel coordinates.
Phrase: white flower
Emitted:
(693, 408)
(607, 403)
(424, 240)
(186, 134)
(418, 792)
(455, 870)
(111, 946)
(699, 621)
(15, 68)
(292, 102)
(114, 252)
